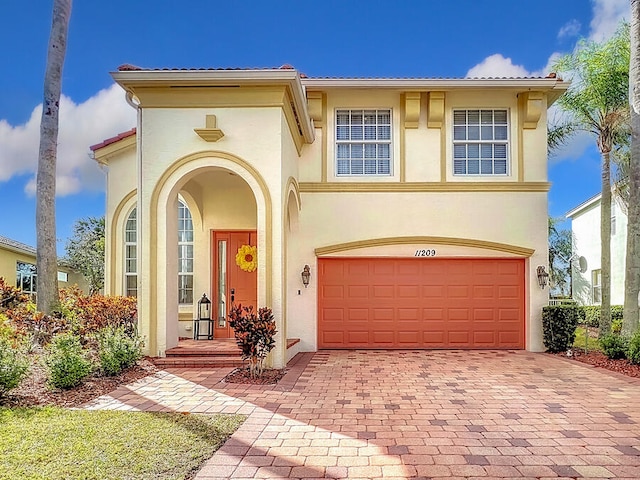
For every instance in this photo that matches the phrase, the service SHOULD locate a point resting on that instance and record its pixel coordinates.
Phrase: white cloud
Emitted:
(570, 29)
(497, 66)
(606, 18)
(102, 116)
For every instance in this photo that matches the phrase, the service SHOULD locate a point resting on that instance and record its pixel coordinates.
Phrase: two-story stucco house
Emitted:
(585, 228)
(419, 206)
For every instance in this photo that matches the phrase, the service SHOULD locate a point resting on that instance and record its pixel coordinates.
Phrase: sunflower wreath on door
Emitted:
(247, 258)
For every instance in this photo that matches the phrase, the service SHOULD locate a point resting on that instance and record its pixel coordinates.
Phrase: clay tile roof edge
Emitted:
(109, 141)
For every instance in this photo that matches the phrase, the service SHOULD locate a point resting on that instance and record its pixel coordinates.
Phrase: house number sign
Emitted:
(429, 252)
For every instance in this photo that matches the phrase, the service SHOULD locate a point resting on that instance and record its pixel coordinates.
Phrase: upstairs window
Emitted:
(480, 142)
(185, 254)
(363, 142)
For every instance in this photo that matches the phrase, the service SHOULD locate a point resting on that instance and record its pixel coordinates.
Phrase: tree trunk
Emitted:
(47, 261)
(632, 267)
(605, 239)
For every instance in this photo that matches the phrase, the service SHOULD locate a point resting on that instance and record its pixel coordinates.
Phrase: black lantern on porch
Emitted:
(203, 320)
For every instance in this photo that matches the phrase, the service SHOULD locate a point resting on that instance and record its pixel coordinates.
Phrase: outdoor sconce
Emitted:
(306, 274)
(204, 317)
(543, 276)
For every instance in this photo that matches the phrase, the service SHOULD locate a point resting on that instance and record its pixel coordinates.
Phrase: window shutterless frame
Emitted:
(481, 142)
(363, 142)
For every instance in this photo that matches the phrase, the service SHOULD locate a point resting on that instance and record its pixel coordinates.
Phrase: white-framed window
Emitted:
(481, 142)
(363, 142)
(63, 277)
(596, 285)
(185, 254)
(131, 255)
(26, 278)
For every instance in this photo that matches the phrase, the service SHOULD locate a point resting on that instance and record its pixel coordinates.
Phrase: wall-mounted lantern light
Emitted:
(543, 276)
(306, 274)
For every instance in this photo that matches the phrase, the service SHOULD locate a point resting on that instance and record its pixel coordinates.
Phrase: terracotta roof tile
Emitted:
(109, 141)
(17, 245)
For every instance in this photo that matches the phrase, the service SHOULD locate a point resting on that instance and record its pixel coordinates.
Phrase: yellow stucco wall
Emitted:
(256, 176)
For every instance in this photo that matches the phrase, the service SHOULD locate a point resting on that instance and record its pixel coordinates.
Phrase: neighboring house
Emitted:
(419, 206)
(18, 267)
(585, 227)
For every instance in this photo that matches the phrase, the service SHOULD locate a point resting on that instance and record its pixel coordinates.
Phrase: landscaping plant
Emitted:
(117, 350)
(67, 362)
(13, 363)
(254, 335)
(559, 324)
(614, 346)
(633, 349)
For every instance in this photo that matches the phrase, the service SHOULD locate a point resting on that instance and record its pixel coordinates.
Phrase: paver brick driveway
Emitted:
(413, 414)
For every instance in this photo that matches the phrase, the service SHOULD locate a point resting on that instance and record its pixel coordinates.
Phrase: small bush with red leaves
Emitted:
(78, 313)
(254, 335)
(89, 314)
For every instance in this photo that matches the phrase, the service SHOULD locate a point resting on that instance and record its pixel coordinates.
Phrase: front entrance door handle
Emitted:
(233, 294)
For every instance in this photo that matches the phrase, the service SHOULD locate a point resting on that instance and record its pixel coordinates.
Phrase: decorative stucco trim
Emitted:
(337, 187)
(325, 145)
(411, 109)
(314, 104)
(533, 106)
(435, 112)
(157, 190)
(461, 242)
(402, 141)
(211, 133)
(293, 186)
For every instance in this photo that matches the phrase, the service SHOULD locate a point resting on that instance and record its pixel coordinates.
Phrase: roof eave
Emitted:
(130, 79)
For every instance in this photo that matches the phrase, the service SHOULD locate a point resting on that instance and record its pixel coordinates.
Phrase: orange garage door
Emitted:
(420, 303)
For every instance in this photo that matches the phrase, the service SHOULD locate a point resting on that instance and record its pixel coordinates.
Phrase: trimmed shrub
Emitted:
(67, 362)
(13, 365)
(254, 335)
(633, 349)
(117, 350)
(590, 314)
(559, 324)
(614, 346)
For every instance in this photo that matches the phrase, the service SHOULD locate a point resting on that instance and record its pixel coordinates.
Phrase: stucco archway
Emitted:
(159, 295)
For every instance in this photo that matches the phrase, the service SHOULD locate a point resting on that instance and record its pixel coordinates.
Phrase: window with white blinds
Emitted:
(363, 142)
(480, 142)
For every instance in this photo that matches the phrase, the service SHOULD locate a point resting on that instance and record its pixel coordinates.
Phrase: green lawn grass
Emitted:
(54, 443)
(578, 344)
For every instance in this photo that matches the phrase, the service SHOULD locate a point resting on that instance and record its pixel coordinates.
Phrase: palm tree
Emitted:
(598, 102)
(47, 262)
(632, 268)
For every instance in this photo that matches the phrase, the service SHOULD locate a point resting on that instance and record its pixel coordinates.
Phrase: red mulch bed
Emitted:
(599, 359)
(268, 377)
(34, 390)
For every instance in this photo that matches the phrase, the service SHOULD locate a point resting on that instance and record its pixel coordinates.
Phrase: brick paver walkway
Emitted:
(427, 414)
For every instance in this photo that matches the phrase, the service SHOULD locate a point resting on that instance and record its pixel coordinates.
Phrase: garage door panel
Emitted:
(358, 291)
(421, 303)
(383, 291)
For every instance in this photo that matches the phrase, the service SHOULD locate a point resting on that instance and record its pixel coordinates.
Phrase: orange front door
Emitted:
(230, 283)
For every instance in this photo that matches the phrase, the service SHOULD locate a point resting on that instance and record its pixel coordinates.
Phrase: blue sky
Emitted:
(351, 38)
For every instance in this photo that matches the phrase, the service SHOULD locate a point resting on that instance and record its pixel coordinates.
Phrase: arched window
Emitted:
(131, 255)
(185, 254)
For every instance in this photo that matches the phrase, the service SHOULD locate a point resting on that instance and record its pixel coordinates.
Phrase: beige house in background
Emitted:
(418, 205)
(18, 268)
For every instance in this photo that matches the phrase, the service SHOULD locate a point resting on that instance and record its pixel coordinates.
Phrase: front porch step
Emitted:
(206, 361)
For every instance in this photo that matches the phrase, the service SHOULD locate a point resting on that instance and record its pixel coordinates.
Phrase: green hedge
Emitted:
(559, 324)
(590, 314)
